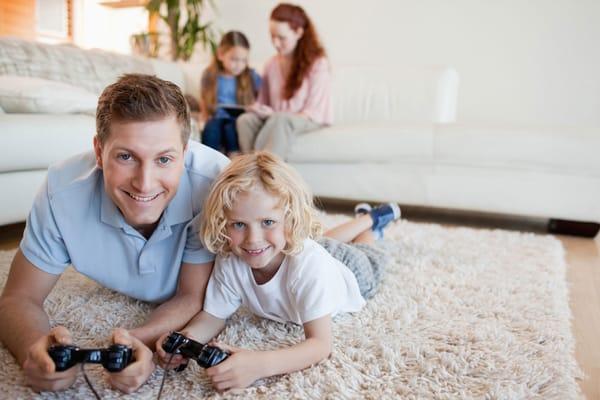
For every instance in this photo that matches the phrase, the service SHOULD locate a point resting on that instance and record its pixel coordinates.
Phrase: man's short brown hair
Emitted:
(138, 97)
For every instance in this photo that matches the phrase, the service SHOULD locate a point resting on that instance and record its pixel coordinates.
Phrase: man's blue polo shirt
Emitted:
(74, 221)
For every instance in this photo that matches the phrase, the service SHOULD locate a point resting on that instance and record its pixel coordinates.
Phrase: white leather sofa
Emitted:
(395, 138)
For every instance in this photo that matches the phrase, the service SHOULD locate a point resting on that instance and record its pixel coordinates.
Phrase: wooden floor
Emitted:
(583, 259)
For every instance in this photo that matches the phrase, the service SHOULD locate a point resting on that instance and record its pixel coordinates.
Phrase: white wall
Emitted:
(522, 62)
(97, 26)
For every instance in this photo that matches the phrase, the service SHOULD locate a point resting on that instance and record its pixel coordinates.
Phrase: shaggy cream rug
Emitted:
(462, 314)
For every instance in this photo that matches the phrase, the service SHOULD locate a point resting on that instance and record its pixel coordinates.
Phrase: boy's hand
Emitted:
(238, 371)
(163, 357)
(38, 367)
(136, 373)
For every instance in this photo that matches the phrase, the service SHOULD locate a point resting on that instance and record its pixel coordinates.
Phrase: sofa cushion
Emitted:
(364, 142)
(566, 149)
(89, 69)
(20, 94)
(34, 141)
(394, 93)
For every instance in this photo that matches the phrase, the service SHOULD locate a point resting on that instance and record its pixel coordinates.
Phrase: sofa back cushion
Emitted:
(89, 69)
(394, 93)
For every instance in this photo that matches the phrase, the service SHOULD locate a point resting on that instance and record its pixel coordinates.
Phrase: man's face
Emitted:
(142, 163)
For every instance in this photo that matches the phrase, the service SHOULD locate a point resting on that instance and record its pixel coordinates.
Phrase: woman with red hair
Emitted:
(295, 95)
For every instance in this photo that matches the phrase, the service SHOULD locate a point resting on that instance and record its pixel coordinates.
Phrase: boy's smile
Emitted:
(256, 228)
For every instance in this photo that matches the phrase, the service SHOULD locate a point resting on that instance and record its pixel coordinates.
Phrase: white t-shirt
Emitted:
(307, 286)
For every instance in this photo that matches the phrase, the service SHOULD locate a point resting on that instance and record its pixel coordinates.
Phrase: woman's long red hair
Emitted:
(307, 50)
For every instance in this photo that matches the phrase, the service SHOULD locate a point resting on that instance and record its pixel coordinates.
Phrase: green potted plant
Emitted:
(186, 29)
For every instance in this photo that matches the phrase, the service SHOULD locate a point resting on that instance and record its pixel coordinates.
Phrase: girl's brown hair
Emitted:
(245, 90)
(307, 50)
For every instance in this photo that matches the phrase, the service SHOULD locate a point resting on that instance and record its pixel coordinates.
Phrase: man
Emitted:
(123, 215)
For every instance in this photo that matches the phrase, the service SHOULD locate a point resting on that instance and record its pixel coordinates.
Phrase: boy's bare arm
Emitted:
(315, 348)
(244, 367)
(204, 327)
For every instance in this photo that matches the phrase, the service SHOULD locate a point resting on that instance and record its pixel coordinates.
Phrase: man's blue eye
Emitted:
(164, 160)
(124, 156)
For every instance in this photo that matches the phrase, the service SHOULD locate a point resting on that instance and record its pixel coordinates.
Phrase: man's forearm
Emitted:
(23, 322)
(169, 316)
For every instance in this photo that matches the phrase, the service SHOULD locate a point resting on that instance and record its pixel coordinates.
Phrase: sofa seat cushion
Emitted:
(364, 142)
(34, 141)
(564, 149)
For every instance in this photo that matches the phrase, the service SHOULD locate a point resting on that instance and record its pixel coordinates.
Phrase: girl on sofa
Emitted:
(295, 97)
(260, 220)
(227, 86)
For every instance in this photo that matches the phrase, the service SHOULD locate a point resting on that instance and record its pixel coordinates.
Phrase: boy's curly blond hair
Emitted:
(244, 174)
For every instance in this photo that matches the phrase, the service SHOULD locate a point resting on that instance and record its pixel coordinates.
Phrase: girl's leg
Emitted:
(248, 125)
(212, 133)
(280, 131)
(351, 230)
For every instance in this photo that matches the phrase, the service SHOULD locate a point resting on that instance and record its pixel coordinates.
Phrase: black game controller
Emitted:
(206, 356)
(114, 359)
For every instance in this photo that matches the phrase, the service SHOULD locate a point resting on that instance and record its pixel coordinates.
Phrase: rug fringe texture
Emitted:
(462, 314)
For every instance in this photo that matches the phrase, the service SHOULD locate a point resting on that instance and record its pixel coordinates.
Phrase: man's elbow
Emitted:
(7, 303)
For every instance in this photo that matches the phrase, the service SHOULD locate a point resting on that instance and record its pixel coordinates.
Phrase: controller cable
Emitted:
(89, 383)
(165, 373)
(162, 384)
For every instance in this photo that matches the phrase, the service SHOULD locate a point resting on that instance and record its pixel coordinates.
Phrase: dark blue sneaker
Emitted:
(383, 214)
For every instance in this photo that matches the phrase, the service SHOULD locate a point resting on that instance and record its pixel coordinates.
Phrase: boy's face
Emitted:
(142, 163)
(256, 228)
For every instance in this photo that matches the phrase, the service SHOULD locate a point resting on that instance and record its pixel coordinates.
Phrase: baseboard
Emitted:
(574, 228)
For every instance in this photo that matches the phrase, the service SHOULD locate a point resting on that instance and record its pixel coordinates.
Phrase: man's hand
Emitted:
(238, 371)
(38, 367)
(136, 373)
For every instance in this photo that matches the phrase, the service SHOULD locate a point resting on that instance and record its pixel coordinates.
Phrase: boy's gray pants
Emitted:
(366, 261)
